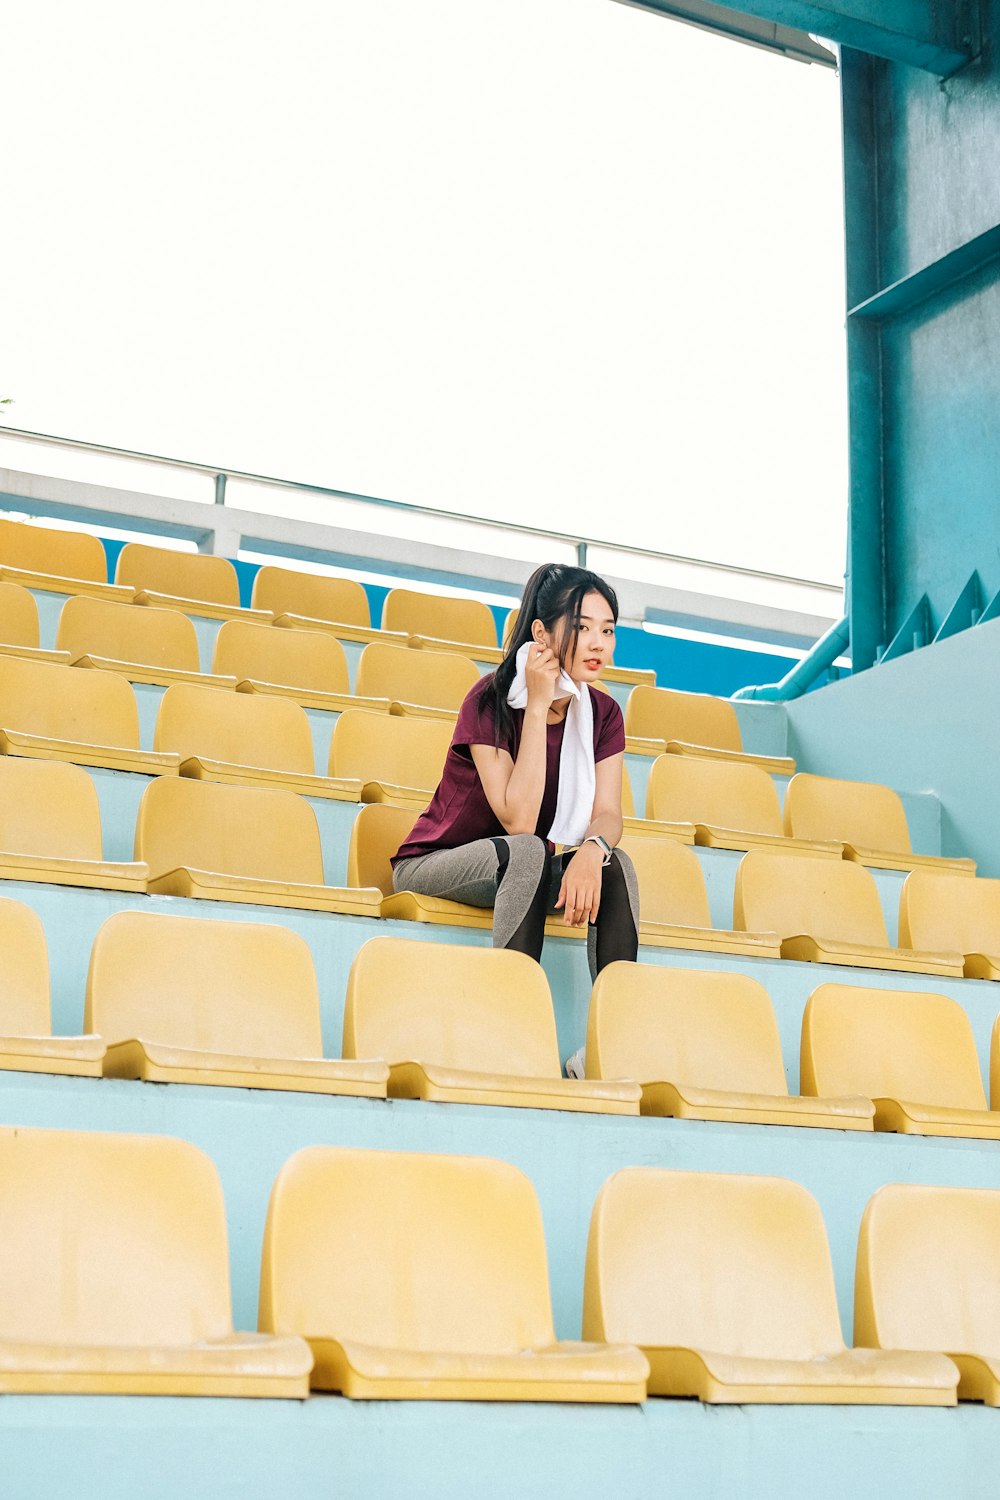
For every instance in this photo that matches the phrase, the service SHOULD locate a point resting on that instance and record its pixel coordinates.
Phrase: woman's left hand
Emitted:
(580, 891)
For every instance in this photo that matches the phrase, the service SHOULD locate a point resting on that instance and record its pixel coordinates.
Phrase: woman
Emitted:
(537, 760)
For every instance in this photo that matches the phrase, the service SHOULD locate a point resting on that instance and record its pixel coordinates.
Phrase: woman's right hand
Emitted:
(541, 673)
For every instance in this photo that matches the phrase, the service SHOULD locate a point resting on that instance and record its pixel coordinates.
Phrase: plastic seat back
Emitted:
(119, 632)
(238, 987)
(890, 1044)
(466, 620)
(928, 1269)
(110, 1239)
(309, 660)
(63, 703)
(485, 1009)
(285, 591)
(403, 750)
(237, 728)
(695, 718)
(861, 813)
(18, 616)
(684, 789)
(184, 575)
(949, 911)
(703, 1260)
(712, 1030)
(43, 549)
(259, 832)
(793, 894)
(376, 834)
(24, 999)
(48, 808)
(671, 883)
(407, 1251)
(439, 679)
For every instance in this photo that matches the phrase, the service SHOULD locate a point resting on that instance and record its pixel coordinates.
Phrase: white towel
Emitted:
(577, 777)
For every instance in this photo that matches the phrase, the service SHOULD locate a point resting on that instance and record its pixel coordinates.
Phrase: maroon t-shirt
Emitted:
(459, 811)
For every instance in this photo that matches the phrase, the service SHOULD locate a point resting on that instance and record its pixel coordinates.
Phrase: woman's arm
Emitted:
(580, 891)
(514, 788)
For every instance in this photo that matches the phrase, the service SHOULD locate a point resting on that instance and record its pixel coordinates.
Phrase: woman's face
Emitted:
(595, 645)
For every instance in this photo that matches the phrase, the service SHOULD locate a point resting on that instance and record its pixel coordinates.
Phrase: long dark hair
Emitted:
(554, 592)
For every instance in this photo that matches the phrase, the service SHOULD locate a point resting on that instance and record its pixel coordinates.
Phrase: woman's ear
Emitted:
(538, 633)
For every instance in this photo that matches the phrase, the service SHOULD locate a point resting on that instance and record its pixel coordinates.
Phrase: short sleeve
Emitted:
(609, 727)
(476, 720)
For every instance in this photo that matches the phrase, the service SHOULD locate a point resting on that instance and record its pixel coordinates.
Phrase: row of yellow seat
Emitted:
(262, 845)
(401, 1275)
(174, 999)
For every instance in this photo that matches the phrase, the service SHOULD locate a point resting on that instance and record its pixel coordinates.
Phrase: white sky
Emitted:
(561, 261)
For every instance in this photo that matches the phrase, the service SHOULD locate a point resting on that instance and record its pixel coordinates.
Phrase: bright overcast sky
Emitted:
(561, 261)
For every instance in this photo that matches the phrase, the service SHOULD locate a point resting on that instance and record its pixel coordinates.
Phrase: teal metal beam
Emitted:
(708, 15)
(805, 672)
(921, 33)
(929, 280)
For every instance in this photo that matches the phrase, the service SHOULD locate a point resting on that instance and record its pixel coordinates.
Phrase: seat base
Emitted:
(361, 635)
(905, 1118)
(414, 1080)
(110, 757)
(207, 608)
(396, 796)
(777, 765)
(65, 1056)
(408, 906)
(244, 1364)
(91, 874)
(333, 703)
(981, 966)
(815, 950)
(710, 837)
(710, 940)
(683, 1102)
(681, 833)
(422, 711)
(331, 788)
(210, 885)
(884, 859)
(558, 1372)
(35, 653)
(472, 649)
(849, 1377)
(52, 583)
(979, 1377)
(155, 1063)
(155, 676)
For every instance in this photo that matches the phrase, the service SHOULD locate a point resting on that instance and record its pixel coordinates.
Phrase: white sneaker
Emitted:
(576, 1066)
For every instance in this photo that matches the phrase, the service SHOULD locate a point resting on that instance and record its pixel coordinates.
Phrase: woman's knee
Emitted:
(527, 855)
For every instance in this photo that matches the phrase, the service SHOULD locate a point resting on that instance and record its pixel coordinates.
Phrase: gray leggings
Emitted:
(519, 878)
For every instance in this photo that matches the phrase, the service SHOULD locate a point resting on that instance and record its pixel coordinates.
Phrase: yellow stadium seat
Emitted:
(867, 818)
(455, 623)
(158, 646)
(424, 1277)
(928, 1275)
(184, 1000)
(50, 828)
(114, 1274)
(465, 1026)
(193, 582)
(940, 910)
(398, 760)
(26, 1041)
(238, 843)
(308, 666)
(673, 903)
(725, 1283)
(314, 601)
(215, 734)
(683, 832)
(827, 911)
(732, 805)
(19, 625)
(913, 1054)
(694, 724)
(59, 562)
(430, 684)
(704, 1046)
(89, 718)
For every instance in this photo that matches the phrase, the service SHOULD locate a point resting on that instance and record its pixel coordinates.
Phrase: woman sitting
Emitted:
(536, 761)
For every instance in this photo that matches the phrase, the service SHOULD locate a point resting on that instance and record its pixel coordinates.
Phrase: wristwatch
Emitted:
(602, 844)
